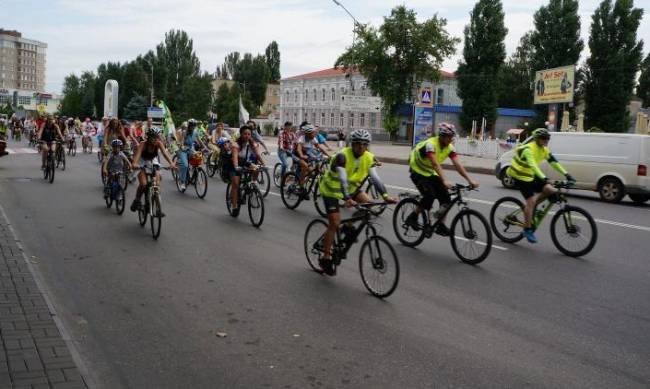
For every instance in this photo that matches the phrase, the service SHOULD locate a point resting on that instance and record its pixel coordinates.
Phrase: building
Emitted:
(22, 62)
(316, 97)
(271, 105)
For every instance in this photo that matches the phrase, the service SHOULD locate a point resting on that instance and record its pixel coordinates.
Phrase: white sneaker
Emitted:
(183, 187)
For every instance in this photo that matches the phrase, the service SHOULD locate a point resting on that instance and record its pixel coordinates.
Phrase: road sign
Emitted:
(425, 97)
(360, 103)
(155, 113)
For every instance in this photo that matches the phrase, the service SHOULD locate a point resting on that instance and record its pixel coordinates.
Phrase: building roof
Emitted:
(333, 72)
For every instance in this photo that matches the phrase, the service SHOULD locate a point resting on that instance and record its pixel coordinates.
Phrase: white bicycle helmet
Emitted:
(360, 136)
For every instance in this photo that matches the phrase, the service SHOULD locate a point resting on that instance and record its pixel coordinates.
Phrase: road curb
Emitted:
(470, 169)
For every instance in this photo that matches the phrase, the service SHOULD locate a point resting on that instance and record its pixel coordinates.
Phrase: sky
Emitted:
(311, 34)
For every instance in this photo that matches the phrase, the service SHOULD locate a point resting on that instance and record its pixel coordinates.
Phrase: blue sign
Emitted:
(422, 124)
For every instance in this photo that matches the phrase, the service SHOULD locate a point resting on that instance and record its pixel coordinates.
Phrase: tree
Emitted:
(71, 102)
(556, 38)
(272, 55)
(643, 89)
(134, 82)
(517, 76)
(87, 90)
(613, 64)
(399, 54)
(230, 66)
(105, 72)
(483, 57)
(136, 108)
(253, 74)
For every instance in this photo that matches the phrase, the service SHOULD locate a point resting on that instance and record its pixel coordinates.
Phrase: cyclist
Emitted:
(529, 178)
(100, 132)
(70, 132)
(257, 136)
(426, 173)
(286, 141)
(114, 164)
(306, 150)
(321, 137)
(187, 140)
(342, 181)
(214, 147)
(146, 155)
(114, 130)
(244, 151)
(48, 134)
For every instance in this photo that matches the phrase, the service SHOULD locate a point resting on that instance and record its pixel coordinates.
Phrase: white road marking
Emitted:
(487, 202)
(22, 150)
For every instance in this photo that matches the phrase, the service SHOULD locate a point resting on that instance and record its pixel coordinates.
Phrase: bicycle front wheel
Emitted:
(573, 231)
(264, 182)
(201, 183)
(507, 219)
(277, 174)
(290, 191)
(74, 149)
(379, 266)
(156, 216)
(318, 201)
(143, 212)
(120, 200)
(313, 243)
(256, 207)
(470, 236)
(409, 235)
(51, 168)
(62, 161)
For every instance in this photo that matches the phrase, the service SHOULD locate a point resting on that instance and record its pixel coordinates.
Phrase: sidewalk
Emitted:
(34, 354)
(398, 154)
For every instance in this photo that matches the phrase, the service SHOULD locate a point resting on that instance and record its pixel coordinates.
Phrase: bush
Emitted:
(595, 129)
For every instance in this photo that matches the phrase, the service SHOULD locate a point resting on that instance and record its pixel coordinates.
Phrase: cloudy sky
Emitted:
(81, 34)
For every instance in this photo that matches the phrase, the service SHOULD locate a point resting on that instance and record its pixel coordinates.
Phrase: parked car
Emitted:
(614, 165)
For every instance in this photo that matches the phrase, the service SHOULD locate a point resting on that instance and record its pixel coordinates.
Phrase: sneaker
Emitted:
(412, 221)
(326, 266)
(183, 187)
(442, 230)
(440, 212)
(135, 205)
(530, 235)
(235, 212)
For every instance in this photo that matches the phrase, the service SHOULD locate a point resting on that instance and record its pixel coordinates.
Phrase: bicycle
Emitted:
(380, 265)
(60, 155)
(152, 207)
(115, 192)
(507, 221)
(87, 144)
(195, 176)
(292, 193)
(277, 171)
(470, 234)
(72, 146)
(249, 194)
(48, 172)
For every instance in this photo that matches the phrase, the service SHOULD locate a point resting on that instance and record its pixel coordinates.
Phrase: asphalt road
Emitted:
(145, 313)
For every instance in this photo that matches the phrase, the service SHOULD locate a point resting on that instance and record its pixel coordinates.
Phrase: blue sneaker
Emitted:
(530, 235)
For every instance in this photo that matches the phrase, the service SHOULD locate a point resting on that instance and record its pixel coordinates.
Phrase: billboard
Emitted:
(422, 123)
(554, 86)
(360, 103)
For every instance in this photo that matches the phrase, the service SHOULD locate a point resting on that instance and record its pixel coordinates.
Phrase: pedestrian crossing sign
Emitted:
(425, 97)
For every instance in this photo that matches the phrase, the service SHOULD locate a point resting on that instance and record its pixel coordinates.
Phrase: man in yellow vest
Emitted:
(529, 178)
(348, 170)
(427, 174)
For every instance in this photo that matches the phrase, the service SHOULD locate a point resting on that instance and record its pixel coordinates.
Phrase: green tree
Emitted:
(136, 108)
(87, 90)
(105, 72)
(253, 74)
(134, 82)
(230, 66)
(517, 76)
(71, 102)
(556, 38)
(272, 55)
(613, 64)
(222, 102)
(643, 89)
(483, 57)
(395, 57)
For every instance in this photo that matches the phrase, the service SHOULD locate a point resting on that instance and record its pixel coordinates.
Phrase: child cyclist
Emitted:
(114, 164)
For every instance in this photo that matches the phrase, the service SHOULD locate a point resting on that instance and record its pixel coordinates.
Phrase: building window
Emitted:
(286, 99)
(440, 98)
(323, 94)
(295, 118)
(295, 95)
(333, 94)
(313, 117)
(332, 120)
(24, 100)
(373, 120)
(341, 121)
(351, 119)
(322, 117)
(315, 95)
(306, 95)
(362, 119)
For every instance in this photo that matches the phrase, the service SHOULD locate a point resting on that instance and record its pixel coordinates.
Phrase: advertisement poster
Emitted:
(554, 86)
(422, 124)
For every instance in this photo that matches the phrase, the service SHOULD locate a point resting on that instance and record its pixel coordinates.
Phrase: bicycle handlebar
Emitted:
(563, 184)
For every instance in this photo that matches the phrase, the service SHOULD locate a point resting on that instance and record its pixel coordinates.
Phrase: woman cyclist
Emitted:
(244, 151)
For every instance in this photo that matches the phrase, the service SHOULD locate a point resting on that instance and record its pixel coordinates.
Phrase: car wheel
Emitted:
(611, 189)
(506, 180)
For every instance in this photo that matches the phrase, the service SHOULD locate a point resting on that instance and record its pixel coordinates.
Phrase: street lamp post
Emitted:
(151, 67)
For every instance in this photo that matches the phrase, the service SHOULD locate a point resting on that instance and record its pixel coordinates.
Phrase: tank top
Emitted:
(148, 155)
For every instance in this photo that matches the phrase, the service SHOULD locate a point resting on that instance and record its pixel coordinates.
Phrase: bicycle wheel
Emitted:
(177, 178)
(277, 174)
(507, 219)
(313, 243)
(124, 179)
(50, 167)
(63, 161)
(264, 182)
(573, 231)
(228, 199)
(200, 182)
(74, 149)
(120, 200)
(471, 237)
(378, 266)
(256, 207)
(290, 191)
(174, 171)
(409, 236)
(318, 201)
(108, 199)
(143, 212)
(156, 216)
(46, 170)
(372, 191)
(100, 155)
(211, 167)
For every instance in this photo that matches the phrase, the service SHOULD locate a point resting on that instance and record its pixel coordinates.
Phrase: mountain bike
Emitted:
(87, 144)
(378, 262)
(72, 146)
(292, 193)
(249, 194)
(195, 176)
(48, 172)
(151, 208)
(573, 229)
(470, 234)
(114, 192)
(60, 155)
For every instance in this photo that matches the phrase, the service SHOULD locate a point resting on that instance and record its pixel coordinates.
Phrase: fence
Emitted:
(489, 148)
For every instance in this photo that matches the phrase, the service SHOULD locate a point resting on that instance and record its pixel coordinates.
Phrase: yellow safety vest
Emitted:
(357, 170)
(422, 165)
(522, 169)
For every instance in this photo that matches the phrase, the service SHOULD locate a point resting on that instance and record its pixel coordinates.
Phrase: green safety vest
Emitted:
(357, 170)
(522, 169)
(422, 165)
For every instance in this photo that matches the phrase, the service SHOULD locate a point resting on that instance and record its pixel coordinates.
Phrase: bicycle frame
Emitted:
(539, 215)
(457, 199)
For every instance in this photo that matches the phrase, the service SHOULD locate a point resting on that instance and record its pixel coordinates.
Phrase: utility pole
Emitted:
(151, 67)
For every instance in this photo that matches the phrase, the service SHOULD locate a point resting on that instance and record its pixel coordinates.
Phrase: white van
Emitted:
(611, 164)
